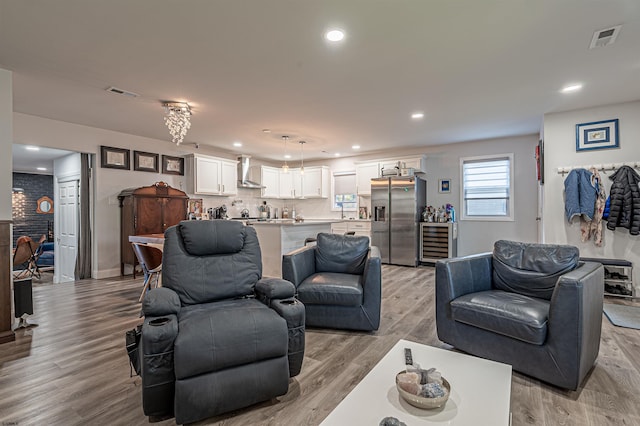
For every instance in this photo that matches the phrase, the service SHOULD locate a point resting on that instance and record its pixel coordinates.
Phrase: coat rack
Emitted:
(600, 167)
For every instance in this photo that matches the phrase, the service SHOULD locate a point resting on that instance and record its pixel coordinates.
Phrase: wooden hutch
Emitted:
(148, 210)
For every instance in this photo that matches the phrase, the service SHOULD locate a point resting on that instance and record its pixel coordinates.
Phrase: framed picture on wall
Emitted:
(114, 158)
(597, 135)
(172, 165)
(444, 186)
(146, 161)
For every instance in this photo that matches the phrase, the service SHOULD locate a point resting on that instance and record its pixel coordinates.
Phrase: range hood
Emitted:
(243, 173)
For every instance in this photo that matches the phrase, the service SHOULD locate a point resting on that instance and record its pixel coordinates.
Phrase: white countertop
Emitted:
(291, 222)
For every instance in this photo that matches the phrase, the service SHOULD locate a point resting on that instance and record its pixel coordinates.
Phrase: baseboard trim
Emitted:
(7, 336)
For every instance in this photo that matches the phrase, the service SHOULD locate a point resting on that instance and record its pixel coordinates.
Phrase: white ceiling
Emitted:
(26, 160)
(477, 69)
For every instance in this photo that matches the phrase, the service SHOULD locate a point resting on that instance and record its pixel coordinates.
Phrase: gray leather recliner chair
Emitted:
(216, 337)
(338, 280)
(534, 306)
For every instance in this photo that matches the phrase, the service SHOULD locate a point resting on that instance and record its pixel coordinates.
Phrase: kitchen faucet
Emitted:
(342, 210)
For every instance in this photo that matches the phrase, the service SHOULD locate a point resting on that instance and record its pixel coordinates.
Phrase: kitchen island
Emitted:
(281, 236)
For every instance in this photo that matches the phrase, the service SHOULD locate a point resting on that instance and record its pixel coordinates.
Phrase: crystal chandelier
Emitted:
(178, 119)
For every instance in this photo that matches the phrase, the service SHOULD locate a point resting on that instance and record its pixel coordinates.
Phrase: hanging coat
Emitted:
(593, 228)
(625, 200)
(580, 194)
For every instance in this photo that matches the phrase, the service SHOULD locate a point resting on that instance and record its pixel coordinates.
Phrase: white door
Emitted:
(286, 184)
(67, 232)
(229, 178)
(364, 174)
(208, 176)
(270, 179)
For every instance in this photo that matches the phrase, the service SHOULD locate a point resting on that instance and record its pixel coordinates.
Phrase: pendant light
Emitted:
(302, 157)
(285, 166)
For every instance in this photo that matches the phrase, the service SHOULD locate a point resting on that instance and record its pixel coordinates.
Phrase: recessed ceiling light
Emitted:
(42, 169)
(571, 88)
(266, 130)
(337, 154)
(355, 146)
(334, 35)
(287, 156)
(32, 148)
(238, 144)
(417, 115)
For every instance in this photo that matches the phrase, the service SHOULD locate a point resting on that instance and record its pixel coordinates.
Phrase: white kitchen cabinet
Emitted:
(229, 177)
(290, 184)
(316, 182)
(418, 164)
(211, 175)
(364, 173)
(270, 180)
(339, 228)
(360, 227)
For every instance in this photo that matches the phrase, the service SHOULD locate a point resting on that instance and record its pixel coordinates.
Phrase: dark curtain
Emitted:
(83, 260)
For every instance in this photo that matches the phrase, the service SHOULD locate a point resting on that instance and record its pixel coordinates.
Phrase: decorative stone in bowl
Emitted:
(423, 389)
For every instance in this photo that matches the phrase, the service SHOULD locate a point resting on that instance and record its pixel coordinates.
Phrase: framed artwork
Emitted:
(540, 161)
(114, 158)
(172, 165)
(597, 135)
(146, 161)
(195, 207)
(44, 205)
(444, 186)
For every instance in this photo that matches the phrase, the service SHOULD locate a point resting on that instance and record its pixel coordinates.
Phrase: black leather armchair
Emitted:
(534, 306)
(338, 280)
(216, 337)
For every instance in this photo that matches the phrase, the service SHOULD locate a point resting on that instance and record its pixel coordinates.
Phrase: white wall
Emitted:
(560, 151)
(443, 162)
(31, 130)
(6, 130)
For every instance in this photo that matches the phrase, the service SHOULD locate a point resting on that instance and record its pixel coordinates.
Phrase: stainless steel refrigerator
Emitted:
(396, 204)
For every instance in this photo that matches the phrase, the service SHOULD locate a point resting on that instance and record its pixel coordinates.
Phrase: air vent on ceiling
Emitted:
(602, 38)
(122, 92)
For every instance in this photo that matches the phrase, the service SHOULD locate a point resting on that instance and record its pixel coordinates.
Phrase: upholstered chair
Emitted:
(338, 280)
(216, 337)
(534, 306)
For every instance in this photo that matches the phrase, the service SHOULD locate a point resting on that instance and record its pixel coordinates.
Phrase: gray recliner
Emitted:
(216, 337)
(534, 306)
(338, 280)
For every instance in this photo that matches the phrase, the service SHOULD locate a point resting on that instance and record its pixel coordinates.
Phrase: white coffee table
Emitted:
(480, 391)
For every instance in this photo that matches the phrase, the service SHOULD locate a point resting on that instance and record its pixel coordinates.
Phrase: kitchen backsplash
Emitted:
(311, 208)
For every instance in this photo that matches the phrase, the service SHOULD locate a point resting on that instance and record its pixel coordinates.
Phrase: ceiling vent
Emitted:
(122, 92)
(602, 38)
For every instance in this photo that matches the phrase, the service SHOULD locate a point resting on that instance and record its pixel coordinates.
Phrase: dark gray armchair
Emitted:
(216, 337)
(534, 306)
(338, 280)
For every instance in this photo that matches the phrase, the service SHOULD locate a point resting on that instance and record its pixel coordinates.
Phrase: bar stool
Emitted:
(150, 259)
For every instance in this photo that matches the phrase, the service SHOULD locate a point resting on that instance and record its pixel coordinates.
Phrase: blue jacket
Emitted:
(580, 194)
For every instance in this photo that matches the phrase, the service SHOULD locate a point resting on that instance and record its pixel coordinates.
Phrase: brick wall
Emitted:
(25, 219)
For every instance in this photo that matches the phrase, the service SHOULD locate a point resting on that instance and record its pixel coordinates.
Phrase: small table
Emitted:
(480, 391)
(147, 239)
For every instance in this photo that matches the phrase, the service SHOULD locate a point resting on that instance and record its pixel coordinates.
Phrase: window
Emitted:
(487, 187)
(344, 191)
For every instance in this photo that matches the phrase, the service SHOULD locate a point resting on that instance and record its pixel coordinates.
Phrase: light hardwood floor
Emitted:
(73, 369)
